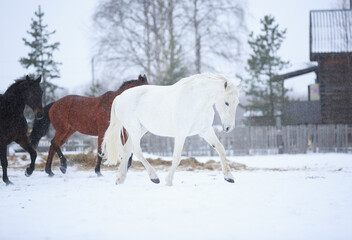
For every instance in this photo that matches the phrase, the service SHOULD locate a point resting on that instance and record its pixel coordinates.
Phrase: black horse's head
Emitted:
(33, 93)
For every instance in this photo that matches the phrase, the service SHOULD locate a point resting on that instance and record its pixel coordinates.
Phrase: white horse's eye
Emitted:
(226, 103)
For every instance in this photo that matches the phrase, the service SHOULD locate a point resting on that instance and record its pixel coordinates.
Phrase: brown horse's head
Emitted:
(142, 80)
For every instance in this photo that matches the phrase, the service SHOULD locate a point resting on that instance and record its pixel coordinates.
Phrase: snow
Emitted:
(277, 197)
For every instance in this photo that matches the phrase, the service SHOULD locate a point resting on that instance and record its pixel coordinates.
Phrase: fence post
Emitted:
(280, 142)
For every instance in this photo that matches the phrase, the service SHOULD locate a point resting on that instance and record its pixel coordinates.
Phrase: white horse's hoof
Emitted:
(155, 180)
(119, 181)
(230, 180)
(229, 177)
(153, 175)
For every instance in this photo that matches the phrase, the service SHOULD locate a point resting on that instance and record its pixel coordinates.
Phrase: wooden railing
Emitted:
(241, 141)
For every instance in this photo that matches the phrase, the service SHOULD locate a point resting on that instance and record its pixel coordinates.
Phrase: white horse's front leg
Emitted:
(179, 141)
(138, 153)
(213, 140)
(150, 170)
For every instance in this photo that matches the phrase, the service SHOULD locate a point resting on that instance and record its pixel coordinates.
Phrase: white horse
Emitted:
(180, 110)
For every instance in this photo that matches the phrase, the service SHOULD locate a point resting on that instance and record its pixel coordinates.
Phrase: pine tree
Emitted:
(175, 68)
(266, 97)
(40, 56)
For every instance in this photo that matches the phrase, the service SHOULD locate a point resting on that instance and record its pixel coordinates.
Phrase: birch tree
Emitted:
(139, 34)
(168, 39)
(217, 28)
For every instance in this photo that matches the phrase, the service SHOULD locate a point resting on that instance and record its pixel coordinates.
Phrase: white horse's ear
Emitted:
(239, 86)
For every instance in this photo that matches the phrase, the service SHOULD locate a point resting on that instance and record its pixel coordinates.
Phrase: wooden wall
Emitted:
(335, 82)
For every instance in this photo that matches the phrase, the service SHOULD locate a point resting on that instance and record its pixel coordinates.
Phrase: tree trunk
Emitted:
(146, 5)
(197, 37)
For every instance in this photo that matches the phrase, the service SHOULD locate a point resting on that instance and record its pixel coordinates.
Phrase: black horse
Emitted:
(13, 124)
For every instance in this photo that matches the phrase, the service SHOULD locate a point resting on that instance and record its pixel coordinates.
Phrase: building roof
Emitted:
(330, 31)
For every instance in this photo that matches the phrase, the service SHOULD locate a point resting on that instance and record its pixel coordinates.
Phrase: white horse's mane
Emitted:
(202, 77)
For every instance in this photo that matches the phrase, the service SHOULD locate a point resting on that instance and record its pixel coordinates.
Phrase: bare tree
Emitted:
(121, 28)
(162, 37)
(137, 34)
(217, 27)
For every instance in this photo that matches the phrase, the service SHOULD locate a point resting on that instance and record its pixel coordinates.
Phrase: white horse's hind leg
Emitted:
(213, 140)
(179, 141)
(124, 159)
(122, 171)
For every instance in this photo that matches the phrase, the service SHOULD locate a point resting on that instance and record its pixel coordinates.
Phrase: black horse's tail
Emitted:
(40, 127)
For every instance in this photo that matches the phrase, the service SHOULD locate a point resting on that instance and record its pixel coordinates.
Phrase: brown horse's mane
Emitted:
(127, 84)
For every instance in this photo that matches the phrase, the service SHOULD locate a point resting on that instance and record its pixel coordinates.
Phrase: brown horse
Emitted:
(87, 115)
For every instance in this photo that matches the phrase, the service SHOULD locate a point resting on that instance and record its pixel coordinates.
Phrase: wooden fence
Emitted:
(261, 140)
(241, 141)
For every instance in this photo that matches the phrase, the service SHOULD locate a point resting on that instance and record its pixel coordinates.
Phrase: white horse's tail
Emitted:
(112, 146)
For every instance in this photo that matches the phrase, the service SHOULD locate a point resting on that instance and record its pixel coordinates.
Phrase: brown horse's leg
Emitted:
(25, 144)
(129, 161)
(63, 160)
(58, 140)
(100, 154)
(124, 139)
(100, 157)
(4, 164)
(49, 161)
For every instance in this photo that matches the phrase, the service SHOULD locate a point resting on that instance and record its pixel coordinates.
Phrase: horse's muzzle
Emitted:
(227, 128)
(38, 112)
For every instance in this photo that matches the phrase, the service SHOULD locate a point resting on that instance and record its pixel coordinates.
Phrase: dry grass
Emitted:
(87, 162)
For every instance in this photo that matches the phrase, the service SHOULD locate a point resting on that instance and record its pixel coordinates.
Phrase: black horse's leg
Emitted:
(49, 161)
(25, 144)
(33, 154)
(4, 164)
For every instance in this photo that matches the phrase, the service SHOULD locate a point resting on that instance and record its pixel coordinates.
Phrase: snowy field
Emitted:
(276, 197)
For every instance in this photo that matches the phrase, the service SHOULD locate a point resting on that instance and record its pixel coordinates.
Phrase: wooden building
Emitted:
(331, 48)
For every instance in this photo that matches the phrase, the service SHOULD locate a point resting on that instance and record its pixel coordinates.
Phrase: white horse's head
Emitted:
(226, 105)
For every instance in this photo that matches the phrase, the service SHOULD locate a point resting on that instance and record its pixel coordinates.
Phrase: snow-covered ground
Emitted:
(277, 197)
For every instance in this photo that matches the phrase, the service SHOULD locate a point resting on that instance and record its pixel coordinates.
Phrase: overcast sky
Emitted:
(72, 22)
